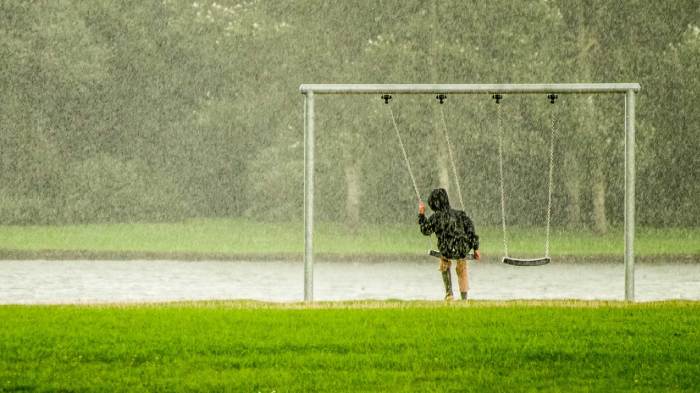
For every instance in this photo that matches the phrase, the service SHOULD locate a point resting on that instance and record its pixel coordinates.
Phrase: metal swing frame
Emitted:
(628, 89)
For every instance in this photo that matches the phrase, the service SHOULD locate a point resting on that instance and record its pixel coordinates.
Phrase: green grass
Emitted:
(241, 237)
(370, 346)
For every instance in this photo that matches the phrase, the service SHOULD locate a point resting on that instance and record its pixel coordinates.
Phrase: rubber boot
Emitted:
(447, 279)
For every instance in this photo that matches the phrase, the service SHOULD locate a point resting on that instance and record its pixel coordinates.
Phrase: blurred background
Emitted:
(189, 112)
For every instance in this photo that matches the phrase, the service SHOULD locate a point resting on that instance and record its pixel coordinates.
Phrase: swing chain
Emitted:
(497, 97)
(499, 125)
(452, 159)
(386, 98)
(403, 150)
(441, 97)
(551, 174)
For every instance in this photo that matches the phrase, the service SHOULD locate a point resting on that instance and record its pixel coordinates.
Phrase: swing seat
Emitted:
(437, 254)
(526, 262)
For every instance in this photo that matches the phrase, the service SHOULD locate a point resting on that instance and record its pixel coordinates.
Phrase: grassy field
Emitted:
(231, 238)
(370, 346)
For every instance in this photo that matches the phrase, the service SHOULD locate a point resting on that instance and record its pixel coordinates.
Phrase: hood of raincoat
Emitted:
(438, 200)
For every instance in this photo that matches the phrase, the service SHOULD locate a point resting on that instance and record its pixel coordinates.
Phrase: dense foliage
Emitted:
(150, 111)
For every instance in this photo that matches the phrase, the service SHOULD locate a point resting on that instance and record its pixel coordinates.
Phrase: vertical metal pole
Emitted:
(629, 195)
(309, 197)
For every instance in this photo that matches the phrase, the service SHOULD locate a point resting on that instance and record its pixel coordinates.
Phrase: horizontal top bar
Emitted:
(581, 88)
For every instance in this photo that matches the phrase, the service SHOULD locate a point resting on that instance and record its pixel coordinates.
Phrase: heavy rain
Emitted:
(349, 196)
(155, 151)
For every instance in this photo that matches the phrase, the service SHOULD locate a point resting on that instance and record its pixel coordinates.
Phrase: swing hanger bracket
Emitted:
(386, 98)
(441, 97)
(552, 97)
(497, 97)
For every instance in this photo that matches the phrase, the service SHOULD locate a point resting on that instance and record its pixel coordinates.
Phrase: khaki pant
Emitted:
(462, 272)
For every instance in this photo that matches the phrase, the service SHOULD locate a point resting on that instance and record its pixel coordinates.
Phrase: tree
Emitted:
(622, 41)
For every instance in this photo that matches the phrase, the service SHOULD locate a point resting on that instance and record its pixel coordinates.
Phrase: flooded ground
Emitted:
(39, 282)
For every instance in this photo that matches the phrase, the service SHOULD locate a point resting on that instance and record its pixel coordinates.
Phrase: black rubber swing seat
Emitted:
(526, 262)
(437, 254)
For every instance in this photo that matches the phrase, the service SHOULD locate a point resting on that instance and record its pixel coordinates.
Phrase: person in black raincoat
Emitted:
(456, 237)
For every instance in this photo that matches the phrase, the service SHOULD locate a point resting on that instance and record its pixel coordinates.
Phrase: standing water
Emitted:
(42, 282)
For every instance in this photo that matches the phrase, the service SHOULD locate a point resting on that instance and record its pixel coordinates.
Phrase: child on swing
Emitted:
(456, 237)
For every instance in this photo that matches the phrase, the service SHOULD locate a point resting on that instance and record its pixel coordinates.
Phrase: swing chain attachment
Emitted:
(386, 98)
(441, 97)
(497, 97)
(552, 97)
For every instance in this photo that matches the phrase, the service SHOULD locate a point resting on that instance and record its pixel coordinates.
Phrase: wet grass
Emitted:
(231, 238)
(365, 346)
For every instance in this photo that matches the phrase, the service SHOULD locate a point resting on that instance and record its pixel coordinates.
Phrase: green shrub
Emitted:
(21, 210)
(275, 184)
(104, 189)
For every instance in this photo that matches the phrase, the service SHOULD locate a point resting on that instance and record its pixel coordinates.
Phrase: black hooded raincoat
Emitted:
(453, 228)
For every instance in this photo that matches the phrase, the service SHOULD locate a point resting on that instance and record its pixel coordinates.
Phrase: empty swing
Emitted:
(506, 258)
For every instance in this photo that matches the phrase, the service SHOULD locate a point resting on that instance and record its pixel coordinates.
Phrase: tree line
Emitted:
(150, 111)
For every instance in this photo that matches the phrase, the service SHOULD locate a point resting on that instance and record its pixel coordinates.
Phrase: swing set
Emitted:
(497, 92)
(497, 98)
